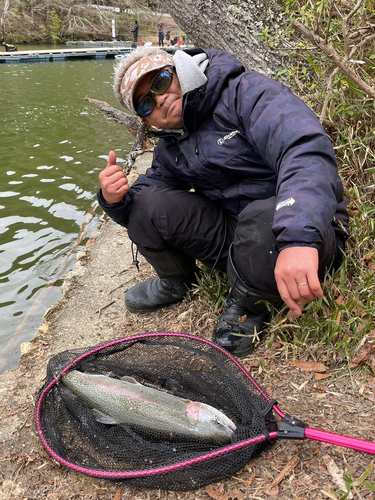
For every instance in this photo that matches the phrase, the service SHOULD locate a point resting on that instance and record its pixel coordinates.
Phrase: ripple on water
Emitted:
(52, 146)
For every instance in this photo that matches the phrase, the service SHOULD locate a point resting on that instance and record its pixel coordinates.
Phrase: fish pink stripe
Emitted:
(160, 470)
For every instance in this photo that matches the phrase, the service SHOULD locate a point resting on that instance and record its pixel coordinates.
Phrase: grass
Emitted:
(351, 485)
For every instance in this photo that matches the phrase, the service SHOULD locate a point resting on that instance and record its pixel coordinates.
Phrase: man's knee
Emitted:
(145, 211)
(151, 203)
(254, 246)
(254, 228)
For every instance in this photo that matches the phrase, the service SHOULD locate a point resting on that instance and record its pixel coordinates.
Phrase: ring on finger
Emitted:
(301, 284)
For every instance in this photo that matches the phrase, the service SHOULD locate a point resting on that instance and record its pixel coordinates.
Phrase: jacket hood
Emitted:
(199, 103)
(222, 68)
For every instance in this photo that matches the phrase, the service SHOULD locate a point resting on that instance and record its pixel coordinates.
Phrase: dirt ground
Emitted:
(92, 311)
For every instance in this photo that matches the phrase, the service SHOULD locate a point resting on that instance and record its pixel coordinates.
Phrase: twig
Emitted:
(104, 307)
(120, 286)
(329, 50)
(23, 425)
(285, 472)
(328, 94)
(363, 42)
(329, 21)
(354, 10)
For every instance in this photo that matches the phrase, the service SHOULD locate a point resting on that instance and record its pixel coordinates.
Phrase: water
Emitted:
(53, 145)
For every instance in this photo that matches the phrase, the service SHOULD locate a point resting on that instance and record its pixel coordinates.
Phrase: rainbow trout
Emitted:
(127, 402)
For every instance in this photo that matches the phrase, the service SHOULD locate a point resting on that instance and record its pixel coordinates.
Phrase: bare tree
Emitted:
(4, 15)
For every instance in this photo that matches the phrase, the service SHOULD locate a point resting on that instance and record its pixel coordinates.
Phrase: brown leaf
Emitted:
(272, 491)
(248, 482)
(319, 389)
(370, 255)
(321, 376)
(216, 491)
(118, 495)
(310, 366)
(277, 344)
(340, 300)
(366, 350)
(251, 365)
(242, 319)
(236, 495)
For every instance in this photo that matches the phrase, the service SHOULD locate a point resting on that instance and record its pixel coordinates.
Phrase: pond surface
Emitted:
(53, 144)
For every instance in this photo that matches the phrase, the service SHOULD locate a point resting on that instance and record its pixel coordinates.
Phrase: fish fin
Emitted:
(103, 418)
(131, 380)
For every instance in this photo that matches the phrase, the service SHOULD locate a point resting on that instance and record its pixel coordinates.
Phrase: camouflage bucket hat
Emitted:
(130, 71)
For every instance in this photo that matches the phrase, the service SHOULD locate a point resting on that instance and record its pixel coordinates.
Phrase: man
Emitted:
(243, 179)
(161, 36)
(135, 31)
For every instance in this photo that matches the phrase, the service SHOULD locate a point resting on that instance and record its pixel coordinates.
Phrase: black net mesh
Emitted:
(183, 366)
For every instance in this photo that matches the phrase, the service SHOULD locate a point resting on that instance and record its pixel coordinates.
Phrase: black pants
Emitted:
(162, 218)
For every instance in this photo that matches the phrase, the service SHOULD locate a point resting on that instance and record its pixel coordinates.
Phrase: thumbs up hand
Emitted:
(113, 181)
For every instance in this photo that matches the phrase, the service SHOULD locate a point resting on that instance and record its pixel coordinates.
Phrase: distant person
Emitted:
(161, 36)
(168, 37)
(135, 31)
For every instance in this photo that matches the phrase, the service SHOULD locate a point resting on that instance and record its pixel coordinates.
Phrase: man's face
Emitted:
(168, 110)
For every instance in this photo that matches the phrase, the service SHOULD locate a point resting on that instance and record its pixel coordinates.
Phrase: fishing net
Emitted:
(182, 365)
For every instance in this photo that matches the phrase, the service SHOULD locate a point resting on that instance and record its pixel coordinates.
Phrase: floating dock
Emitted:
(62, 54)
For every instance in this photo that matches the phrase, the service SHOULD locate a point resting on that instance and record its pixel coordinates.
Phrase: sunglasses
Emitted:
(159, 86)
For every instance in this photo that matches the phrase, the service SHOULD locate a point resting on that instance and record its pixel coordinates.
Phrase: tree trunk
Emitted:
(227, 25)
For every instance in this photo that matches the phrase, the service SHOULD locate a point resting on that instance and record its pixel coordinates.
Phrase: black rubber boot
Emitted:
(176, 273)
(243, 314)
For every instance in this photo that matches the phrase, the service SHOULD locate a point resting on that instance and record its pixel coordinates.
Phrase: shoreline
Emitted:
(90, 311)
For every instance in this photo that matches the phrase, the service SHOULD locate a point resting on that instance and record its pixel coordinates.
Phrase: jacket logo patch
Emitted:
(227, 137)
(286, 203)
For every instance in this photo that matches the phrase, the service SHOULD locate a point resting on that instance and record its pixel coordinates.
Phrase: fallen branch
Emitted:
(130, 121)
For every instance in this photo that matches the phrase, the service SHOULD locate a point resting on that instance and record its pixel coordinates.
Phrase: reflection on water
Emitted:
(53, 145)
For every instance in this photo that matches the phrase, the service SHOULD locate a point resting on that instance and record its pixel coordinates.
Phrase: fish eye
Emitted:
(218, 422)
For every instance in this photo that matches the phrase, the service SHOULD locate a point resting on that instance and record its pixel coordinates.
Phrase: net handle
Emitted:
(340, 440)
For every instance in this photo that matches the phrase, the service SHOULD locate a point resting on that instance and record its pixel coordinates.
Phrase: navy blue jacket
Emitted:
(247, 137)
